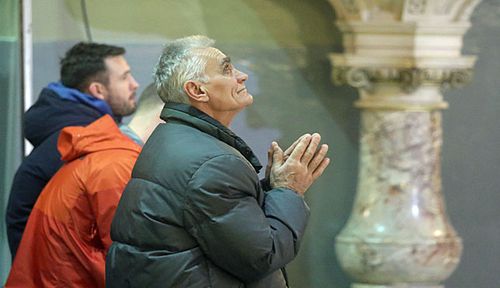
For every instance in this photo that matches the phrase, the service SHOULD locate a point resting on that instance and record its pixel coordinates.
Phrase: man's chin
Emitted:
(131, 110)
(250, 102)
(247, 101)
(133, 107)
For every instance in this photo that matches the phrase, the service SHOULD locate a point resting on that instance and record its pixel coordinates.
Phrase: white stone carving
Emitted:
(444, 11)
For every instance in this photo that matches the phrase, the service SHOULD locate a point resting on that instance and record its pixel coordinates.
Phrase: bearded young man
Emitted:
(194, 213)
(95, 81)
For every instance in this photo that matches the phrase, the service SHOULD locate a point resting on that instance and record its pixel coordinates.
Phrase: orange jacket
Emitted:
(67, 234)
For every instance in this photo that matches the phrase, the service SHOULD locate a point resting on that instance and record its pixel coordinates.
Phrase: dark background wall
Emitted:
(283, 46)
(471, 155)
(10, 113)
(10, 131)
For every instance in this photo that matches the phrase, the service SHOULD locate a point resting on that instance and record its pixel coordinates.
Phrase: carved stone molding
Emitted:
(409, 79)
(408, 10)
(423, 36)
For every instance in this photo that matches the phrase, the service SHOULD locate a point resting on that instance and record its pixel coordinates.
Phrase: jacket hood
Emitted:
(57, 107)
(101, 135)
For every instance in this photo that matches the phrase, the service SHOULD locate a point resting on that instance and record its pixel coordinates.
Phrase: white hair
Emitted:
(179, 63)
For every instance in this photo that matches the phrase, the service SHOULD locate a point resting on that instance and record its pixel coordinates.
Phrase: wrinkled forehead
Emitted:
(214, 58)
(210, 53)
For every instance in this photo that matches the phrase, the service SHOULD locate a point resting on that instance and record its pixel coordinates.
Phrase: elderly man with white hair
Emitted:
(195, 213)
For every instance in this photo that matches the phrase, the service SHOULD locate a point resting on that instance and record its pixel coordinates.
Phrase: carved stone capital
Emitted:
(404, 10)
(409, 79)
(411, 42)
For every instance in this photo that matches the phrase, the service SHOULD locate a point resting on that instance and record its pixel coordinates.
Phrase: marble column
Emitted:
(400, 55)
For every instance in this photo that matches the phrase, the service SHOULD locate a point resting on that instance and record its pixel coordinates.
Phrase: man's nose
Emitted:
(240, 76)
(133, 83)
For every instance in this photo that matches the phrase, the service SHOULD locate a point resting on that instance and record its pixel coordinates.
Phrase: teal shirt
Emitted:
(130, 134)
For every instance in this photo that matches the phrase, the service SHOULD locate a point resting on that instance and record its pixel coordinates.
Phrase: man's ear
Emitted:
(196, 91)
(97, 90)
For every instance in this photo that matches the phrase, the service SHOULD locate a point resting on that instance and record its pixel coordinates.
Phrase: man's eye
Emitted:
(228, 69)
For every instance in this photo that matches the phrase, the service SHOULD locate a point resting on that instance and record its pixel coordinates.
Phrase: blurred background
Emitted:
(283, 47)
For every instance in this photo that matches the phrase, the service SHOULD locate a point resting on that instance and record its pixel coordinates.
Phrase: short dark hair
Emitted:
(84, 63)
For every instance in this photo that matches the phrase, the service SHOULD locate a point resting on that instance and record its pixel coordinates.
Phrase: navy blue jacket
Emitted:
(42, 125)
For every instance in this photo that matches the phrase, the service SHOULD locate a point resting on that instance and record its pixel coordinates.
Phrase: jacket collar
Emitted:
(196, 118)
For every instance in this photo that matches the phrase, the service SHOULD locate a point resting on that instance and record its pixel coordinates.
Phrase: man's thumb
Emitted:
(277, 154)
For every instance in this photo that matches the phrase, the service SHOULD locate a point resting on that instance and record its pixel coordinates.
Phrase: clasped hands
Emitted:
(299, 165)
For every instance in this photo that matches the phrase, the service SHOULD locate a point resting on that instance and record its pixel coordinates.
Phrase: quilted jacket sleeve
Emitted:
(234, 231)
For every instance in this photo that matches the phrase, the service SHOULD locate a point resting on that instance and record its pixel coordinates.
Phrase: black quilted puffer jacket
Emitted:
(195, 214)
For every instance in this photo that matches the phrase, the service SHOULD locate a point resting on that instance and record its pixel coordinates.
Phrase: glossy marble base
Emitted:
(358, 285)
(398, 231)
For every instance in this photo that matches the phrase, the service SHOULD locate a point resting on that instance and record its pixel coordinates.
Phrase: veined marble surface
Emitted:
(398, 230)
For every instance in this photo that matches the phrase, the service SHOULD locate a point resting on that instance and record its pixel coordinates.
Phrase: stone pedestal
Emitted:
(400, 55)
(395, 286)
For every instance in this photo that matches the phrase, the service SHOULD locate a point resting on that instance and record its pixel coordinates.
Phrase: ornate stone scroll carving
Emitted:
(400, 55)
(408, 79)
